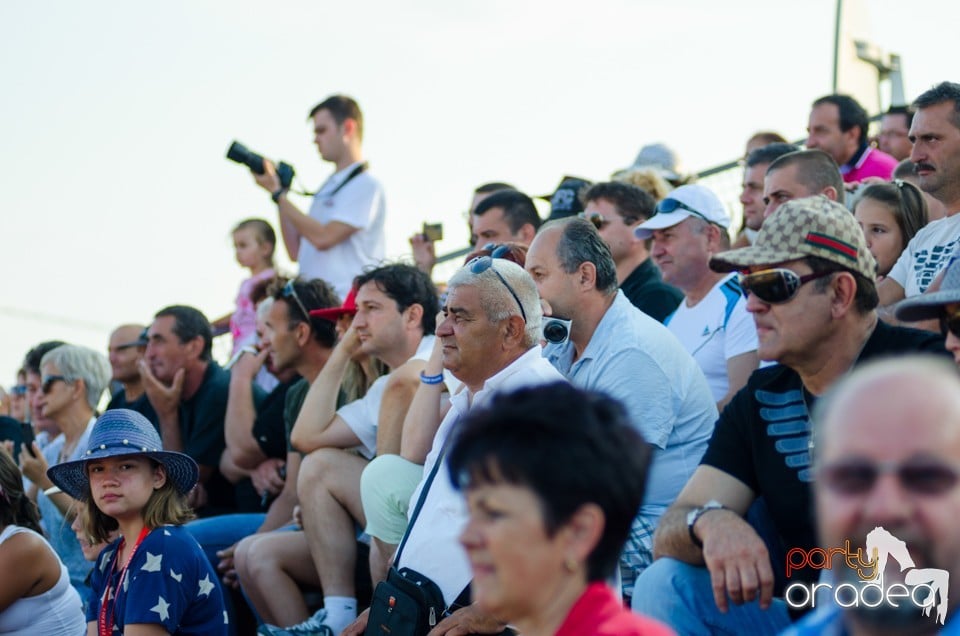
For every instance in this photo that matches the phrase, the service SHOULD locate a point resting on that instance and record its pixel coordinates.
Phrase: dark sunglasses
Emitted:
(950, 323)
(18, 389)
(482, 263)
(669, 205)
(46, 383)
(289, 291)
(595, 218)
(774, 286)
(857, 477)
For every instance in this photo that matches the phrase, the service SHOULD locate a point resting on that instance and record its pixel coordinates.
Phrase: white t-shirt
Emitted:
(361, 204)
(433, 548)
(926, 255)
(714, 330)
(363, 415)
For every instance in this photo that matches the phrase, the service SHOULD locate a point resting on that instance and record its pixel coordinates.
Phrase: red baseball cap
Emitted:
(333, 314)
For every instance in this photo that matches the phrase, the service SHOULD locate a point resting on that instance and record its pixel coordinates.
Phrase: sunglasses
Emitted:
(950, 323)
(18, 389)
(496, 250)
(669, 205)
(482, 263)
(775, 286)
(857, 477)
(595, 218)
(289, 291)
(46, 383)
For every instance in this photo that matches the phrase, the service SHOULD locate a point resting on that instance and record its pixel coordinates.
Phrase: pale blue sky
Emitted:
(117, 200)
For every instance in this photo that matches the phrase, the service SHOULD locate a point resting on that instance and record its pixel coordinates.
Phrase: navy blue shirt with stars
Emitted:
(169, 582)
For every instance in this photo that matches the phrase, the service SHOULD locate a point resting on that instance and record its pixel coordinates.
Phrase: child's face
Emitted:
(121, 486)
(249, 251)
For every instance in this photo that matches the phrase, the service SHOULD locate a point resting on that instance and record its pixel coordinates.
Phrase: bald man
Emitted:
(127, 346)
(887, 454)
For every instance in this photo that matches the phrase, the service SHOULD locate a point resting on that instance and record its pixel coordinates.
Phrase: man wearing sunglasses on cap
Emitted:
(616, 209)
(617, 349)
(942, 305)
(887, 460)
(712, 322)
(809, 280)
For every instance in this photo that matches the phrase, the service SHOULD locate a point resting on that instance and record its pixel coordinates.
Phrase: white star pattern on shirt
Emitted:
(161, 608)
(105, 560)
(176, 577)
(153, 563)
(226, 619)
(206, 585)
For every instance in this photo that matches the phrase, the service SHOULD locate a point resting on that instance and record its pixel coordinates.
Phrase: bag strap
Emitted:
(353, 173)
(423, 496)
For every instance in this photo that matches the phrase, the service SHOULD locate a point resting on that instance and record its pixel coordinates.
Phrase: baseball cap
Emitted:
(926, 306)
(661, 158)
(813, 226)
(333, 314)
(682, 203)
(565, 201)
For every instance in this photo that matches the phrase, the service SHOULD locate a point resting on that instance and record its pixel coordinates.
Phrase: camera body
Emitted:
(241, 154)
(556, 330)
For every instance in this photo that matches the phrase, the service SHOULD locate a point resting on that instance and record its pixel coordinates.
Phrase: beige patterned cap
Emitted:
(814, 226)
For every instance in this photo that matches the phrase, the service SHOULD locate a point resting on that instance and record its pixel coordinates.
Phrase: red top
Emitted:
(600, 612)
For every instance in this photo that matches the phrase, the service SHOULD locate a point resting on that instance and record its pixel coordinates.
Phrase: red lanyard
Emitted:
(105, 624)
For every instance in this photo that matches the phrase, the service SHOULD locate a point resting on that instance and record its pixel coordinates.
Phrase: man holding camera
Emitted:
(343, 232)
(617, 349)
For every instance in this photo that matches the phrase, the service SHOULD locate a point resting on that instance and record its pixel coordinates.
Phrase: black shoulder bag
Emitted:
(407, 603)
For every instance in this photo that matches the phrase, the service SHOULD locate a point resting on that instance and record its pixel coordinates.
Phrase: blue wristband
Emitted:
(431, 379)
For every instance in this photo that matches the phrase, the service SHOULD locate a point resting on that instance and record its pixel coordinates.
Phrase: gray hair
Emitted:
(497, 301)
(81, 363)
(581, 243)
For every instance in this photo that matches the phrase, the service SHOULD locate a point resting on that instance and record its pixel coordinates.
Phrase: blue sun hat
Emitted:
(123, 432)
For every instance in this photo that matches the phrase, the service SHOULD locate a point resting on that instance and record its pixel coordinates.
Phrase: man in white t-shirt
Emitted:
(711, 322)
(395, 321)
(343, 233)
(935, 133)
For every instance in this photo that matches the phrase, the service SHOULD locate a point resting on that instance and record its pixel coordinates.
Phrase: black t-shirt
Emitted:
(201, 430)
(762, 437)
(648, 293)
(141, 405)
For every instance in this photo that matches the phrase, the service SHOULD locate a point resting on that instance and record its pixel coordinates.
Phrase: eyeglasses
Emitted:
(46, 383)
(775, 286)
(669, 205)
(289, 291)
(950, 323)
(482, 263)
(597, 219)
(857, 476)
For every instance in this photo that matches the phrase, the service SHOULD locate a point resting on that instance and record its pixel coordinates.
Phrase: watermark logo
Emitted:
(859, 581)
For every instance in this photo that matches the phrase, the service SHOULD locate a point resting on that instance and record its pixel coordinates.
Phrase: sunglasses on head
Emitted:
(858, 477)
(497, 250)
(482, 263)
(597, 219)
(950, 323)
(289, 291)
(669, 205)
(774, 286)
(46, 382)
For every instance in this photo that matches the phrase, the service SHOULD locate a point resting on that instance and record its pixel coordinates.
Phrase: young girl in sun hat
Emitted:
(154, 578)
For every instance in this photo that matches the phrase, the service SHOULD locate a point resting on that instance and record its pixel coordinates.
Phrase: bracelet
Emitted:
(276, 195)
(431, 379)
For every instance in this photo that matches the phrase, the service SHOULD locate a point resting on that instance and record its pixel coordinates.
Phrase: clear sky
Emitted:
(116, 198)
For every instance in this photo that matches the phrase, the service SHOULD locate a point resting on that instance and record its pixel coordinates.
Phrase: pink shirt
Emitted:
(872, 163)
(600, 612)
(243, 322)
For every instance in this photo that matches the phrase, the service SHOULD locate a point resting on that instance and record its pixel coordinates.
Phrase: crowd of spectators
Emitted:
(329, 449)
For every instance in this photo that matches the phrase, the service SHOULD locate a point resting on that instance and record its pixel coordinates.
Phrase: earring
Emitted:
(570, 564)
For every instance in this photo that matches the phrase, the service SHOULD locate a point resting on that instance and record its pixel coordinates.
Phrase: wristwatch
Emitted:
(695, 514)
(277, 194)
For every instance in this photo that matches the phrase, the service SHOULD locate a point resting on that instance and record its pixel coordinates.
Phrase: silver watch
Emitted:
(695, 514)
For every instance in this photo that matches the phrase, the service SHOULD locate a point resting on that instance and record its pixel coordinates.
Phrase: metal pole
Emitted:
(836, 46)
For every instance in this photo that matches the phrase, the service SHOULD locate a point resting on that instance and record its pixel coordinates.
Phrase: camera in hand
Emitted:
(556, 330)
(241, 154)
